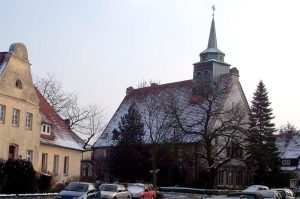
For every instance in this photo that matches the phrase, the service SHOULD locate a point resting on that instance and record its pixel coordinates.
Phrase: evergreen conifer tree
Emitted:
(261, 139)
(131, 127)
(129, 158)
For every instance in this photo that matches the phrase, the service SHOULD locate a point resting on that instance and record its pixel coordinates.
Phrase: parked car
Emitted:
(114, 191)
(285, 193)
(254, 188)
(80, 190)
(142, 191)
(296, 192)
(245, 195)
(270, 194)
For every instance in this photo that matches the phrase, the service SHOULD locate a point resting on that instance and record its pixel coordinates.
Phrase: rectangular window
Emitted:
(29, 155)
(55, 164)
(66, 165)
(16, 117)
(2, 113)
(44, 162)
(46, 129)
(28, 121)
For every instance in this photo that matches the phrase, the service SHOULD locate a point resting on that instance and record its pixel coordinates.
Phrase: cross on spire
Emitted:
(213, 8)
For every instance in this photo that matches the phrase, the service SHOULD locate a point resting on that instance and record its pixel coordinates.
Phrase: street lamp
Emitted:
(154, 172)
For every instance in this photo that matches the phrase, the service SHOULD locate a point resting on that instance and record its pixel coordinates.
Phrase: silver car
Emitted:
(80, 190)
(114, 191)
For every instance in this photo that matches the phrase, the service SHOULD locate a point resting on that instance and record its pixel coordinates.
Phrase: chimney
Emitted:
(129, 89)
(67, 122)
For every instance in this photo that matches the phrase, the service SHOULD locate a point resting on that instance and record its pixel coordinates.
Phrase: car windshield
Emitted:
(77, 187)
(111, 188)
(136, 188)
(268, 194)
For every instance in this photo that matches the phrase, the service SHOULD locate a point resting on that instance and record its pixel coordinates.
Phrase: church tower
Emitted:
(211, 64)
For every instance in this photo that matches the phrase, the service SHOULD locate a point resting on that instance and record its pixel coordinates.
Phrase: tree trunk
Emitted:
(212, 179)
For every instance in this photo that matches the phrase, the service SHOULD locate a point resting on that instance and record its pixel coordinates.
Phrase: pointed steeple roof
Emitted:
(212, 42)
(212, 46)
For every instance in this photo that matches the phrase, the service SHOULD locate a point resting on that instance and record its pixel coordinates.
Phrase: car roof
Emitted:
(244, 193)
(87, 183)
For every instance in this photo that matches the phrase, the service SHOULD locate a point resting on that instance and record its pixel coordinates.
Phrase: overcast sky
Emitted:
(99, 48)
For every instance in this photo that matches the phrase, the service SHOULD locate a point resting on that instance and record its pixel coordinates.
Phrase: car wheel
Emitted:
(115, 197)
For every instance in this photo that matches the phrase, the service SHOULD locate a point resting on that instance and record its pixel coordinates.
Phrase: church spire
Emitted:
(212, 42)
(212, 52)
(211, 65)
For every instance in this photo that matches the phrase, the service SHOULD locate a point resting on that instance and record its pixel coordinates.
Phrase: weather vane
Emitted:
(213, 8)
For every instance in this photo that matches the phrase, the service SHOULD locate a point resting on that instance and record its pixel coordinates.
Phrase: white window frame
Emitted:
(66, 165)
(44, 162)
(46, 129)
(29, 155)
(16, 117)
(55, 164)
(2, 113)
(28, 122)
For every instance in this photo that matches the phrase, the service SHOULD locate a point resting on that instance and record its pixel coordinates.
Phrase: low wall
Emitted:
(196, 191)
(31, 196)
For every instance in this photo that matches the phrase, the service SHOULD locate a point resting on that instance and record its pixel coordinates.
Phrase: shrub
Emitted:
(2, 176)
(58, 187)
(20, 177)
(45, 182)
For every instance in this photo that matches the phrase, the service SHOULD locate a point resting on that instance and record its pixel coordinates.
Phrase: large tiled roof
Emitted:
(2, 64)
(2, 56)
(180, 91)
(60, 135)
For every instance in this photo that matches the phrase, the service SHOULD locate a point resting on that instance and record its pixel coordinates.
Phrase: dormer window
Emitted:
(46, 129)
(19, 84)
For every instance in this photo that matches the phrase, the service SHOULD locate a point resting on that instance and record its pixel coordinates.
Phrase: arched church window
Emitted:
(19, 84)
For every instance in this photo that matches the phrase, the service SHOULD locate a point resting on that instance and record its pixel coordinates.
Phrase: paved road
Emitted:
(179, 195)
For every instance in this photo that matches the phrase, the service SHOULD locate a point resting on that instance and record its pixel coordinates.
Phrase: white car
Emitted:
(286, 193)
(270, 194)
(254, 188)
(114, 191)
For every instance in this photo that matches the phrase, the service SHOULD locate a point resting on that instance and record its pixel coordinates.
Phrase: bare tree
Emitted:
(53, 92)
(215, 123)
(157, 119)
(87, 120)
(145, 83)
(92, 124)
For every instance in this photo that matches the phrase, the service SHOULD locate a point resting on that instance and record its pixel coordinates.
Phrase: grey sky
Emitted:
(99, 48)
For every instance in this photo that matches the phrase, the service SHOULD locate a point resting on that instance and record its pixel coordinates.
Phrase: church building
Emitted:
(189, 101)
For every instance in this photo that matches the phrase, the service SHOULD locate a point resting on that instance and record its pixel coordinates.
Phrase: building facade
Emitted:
(19, 107)
(29, 127)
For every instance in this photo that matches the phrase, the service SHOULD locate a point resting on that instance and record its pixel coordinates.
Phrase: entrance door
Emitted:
(13, 152)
